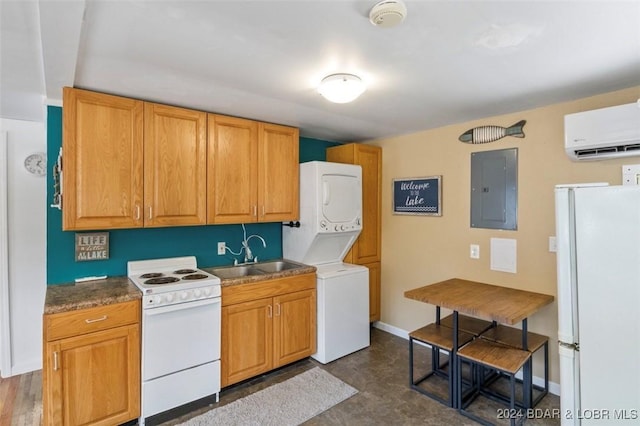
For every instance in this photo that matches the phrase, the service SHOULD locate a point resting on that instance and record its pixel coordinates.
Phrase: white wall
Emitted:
(27, 256)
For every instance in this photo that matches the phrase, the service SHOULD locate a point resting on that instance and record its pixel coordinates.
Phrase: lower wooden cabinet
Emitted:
(266, 325)
(91, 365)
(374, 291)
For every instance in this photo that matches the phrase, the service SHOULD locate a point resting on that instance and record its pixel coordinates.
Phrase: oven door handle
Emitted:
(180, 306)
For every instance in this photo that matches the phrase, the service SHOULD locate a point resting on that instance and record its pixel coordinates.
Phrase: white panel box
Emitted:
(504, 255)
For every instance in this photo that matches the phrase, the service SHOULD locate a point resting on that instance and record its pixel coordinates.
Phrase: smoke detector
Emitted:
(388, 13)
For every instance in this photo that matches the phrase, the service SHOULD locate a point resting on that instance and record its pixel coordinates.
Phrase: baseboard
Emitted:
(554, 388)
(391, 329)
(25, 367)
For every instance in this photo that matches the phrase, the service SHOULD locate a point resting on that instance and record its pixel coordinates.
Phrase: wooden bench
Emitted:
(483, 353)
(471, 325)
(439, 338)
(512, 337)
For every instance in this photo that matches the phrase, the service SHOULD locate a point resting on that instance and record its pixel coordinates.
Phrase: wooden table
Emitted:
(487, 301)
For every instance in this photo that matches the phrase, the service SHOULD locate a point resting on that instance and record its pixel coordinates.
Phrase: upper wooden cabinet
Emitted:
(233, 176)
(129, 164)
(367, 247)
(102, 160)
(253, 171)
(175, 166)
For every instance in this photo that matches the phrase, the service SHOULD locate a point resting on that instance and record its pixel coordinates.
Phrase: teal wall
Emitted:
(152, 243)
(314, 149)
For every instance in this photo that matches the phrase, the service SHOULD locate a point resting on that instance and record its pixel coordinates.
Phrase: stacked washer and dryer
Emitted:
(330, 222)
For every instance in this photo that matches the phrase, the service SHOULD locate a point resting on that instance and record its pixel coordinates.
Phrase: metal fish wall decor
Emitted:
(485, 134)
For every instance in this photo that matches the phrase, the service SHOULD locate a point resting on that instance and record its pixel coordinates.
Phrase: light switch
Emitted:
(631, 174)
(474, 251)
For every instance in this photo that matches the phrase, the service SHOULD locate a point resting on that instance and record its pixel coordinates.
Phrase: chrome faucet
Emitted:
(248, 254)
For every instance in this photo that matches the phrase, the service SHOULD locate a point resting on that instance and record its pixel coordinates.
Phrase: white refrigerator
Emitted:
(598, 271)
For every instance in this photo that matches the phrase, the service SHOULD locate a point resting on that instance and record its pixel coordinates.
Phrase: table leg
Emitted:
(435, 358)
(527, 372)
(453, 364)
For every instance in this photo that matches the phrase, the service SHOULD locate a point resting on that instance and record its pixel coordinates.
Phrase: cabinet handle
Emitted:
(269, 311)
(102, 318)
(255, 210)
(137, 212)
(150, 212)
(277, 309)
(263, 210)
(55, 361)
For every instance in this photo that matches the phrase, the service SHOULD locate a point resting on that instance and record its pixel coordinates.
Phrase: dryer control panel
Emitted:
(326, 226)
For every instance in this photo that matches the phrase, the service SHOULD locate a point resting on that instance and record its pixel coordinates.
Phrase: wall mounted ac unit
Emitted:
(603, 133)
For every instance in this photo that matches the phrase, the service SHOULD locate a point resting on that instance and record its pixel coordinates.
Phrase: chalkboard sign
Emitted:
(418, 196)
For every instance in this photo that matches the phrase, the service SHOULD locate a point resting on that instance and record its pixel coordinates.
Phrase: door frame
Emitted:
(5, 313)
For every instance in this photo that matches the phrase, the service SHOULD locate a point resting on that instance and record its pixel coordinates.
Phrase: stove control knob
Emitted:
(169, 297)
(323, 224)
(342, 227)
(207, 292)
(337, 228)
(196, 292)
(184, 295)
(157, 300)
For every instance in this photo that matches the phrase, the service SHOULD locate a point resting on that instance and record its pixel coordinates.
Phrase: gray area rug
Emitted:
(291, 402)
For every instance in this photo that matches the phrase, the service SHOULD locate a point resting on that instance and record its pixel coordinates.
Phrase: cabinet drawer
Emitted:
(84, 321)
(269, 288)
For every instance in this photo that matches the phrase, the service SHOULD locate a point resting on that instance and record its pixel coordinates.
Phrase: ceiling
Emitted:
(447, 62)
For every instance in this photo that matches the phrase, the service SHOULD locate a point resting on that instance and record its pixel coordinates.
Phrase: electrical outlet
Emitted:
(553, 246)
(474, 251)
(221, 247)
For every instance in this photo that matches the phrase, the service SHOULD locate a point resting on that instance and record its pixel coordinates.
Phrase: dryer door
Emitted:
(341, 198)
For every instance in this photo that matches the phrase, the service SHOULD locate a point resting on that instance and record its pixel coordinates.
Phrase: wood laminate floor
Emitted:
(380, 373)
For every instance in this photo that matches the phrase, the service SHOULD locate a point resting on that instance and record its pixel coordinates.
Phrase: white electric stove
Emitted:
(180, 332)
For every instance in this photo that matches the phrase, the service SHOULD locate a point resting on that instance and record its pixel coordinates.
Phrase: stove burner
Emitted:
(151, 275)
(195, 277)
(184, 271)
(162, 280)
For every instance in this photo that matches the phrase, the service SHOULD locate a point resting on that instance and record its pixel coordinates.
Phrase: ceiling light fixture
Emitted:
(341, 88)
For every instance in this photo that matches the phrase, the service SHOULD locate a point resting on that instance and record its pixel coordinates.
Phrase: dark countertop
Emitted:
(74, 296)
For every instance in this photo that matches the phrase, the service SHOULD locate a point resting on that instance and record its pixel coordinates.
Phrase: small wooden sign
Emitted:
(418, 196)
(92, 246)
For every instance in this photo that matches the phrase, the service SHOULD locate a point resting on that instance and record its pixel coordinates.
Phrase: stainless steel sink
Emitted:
(277, 266)
(260, 268)
(236, 271)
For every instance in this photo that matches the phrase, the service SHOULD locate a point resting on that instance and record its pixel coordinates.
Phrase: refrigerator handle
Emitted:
(572, 346)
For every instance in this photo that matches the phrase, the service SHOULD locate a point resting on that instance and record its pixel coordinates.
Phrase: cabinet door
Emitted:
(175, 166)
(278, 173)
(368, 248)
(102, 149)
(232, 172)
(93, 378)
(374, 291)
(247, 339)
(294, 326)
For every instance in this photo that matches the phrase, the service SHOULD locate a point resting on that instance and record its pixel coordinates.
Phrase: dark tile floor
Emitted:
(380, 373)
